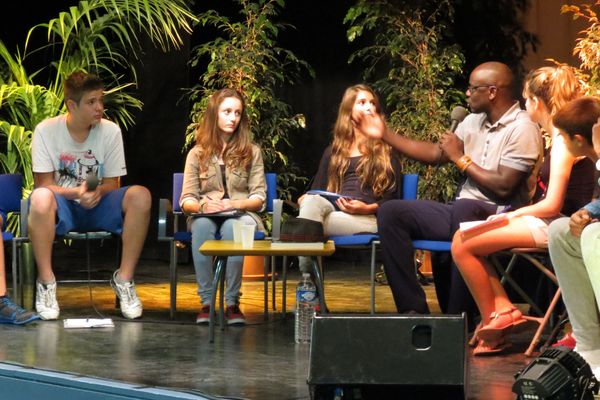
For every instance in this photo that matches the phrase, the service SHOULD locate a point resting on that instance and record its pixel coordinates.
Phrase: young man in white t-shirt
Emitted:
(66, 150)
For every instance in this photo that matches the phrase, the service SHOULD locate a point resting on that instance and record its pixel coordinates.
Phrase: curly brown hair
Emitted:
(374, 168)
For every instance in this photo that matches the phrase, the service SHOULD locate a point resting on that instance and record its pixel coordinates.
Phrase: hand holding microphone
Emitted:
(90, 197)
(91, 181)
(450, 144)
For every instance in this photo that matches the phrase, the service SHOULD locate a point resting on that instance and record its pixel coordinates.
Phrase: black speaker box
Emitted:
(388, 356)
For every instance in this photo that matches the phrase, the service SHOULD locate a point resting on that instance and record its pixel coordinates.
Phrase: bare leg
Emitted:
(42, 221)
(136, 207)
(479, 275)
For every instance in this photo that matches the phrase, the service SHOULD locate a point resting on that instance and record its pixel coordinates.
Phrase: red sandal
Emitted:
(486, 349)
(503, 323)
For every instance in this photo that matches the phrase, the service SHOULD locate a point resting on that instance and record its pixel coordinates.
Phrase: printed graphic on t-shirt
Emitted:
(74, 167)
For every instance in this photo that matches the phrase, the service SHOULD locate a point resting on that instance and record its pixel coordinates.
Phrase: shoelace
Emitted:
(129, 291)
(49, 296)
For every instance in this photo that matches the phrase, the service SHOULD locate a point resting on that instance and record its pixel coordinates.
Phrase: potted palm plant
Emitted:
(99, 36)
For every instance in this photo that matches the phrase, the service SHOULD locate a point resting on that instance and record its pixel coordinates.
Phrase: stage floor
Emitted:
(258, 361)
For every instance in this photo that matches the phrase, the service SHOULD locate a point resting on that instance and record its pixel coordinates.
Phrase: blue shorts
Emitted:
(106, 216)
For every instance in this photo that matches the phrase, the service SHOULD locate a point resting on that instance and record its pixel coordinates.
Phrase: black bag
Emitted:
(301, 230)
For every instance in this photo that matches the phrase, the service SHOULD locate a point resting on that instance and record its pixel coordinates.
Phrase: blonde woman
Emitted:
(364, 171)
(224, 170)
(565, 184)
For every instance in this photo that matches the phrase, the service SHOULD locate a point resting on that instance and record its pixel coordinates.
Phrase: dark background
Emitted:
(153, 146)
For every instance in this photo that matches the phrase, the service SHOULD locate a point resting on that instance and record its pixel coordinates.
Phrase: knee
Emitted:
(558, 228)
(391, 213)
(138, 197)
(457, 248)
(42, 202)
(202, 228)
(590, 235)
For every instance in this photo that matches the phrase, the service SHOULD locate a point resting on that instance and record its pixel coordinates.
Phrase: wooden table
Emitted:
(224, 248)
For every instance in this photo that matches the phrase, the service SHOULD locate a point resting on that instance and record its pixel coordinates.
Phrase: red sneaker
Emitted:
(204, 315)
(567, 341)
(234, 315)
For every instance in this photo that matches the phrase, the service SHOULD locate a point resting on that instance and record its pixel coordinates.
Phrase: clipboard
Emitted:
(228, 213)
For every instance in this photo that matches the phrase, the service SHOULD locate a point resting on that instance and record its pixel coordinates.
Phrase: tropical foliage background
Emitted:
(99, 36)
(246, 56)
(411, 51)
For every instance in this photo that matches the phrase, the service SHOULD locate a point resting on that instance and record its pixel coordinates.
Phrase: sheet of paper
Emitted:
(72, 323)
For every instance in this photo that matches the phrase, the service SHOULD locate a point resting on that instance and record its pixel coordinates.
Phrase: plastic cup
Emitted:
(247, 236)
(277, 209)
(237, 231)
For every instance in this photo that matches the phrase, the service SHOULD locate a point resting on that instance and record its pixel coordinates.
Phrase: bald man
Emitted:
(498, 149)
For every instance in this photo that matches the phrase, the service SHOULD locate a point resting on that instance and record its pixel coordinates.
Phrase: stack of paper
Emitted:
(88, 323)
(474, 228)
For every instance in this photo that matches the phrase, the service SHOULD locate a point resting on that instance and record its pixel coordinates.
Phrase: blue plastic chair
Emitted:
(410, 184)
(184, 237)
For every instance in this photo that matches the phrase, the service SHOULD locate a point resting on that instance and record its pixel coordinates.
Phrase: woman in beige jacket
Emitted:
(223, 171)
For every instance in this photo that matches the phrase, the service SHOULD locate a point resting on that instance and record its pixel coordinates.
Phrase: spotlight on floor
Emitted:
(558, 373)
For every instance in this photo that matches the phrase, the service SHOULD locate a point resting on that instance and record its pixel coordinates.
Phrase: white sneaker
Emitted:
(131, 306)
(45, 301)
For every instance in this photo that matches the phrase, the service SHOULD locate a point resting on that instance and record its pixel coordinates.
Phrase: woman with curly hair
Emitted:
(364, 171)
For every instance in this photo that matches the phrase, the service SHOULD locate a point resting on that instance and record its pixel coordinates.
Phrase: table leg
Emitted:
(266, 264)
(220, 267)
(319, 283)
(273, 285)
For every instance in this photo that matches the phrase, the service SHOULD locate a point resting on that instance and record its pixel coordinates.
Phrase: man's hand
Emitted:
(452, 146)
(579, 220)
(371, 125)
(88, 199)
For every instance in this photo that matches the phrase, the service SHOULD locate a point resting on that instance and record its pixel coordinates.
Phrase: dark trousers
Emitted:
(400, 222)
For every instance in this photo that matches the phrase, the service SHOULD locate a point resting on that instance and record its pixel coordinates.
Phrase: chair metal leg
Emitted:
(27, 274)
(373, 252)
(284, 286)
(319, 283)
(173, 279)
(543, 322)
(505, 273)
(222, 296)
(15, 286)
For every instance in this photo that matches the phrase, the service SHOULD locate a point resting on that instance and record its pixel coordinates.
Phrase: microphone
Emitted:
(92, 181)
(457, 115)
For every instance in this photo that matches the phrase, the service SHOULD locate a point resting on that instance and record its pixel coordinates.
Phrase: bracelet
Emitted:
(463, 163)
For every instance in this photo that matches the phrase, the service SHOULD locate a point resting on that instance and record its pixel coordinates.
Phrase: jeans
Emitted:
(576, 262)
(204, 229)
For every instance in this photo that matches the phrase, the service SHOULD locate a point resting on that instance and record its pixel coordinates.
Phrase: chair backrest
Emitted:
(410, 185)
(11, 192)
(270, 177)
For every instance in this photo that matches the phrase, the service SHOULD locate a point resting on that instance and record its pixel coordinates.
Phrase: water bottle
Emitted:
(306, 294)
